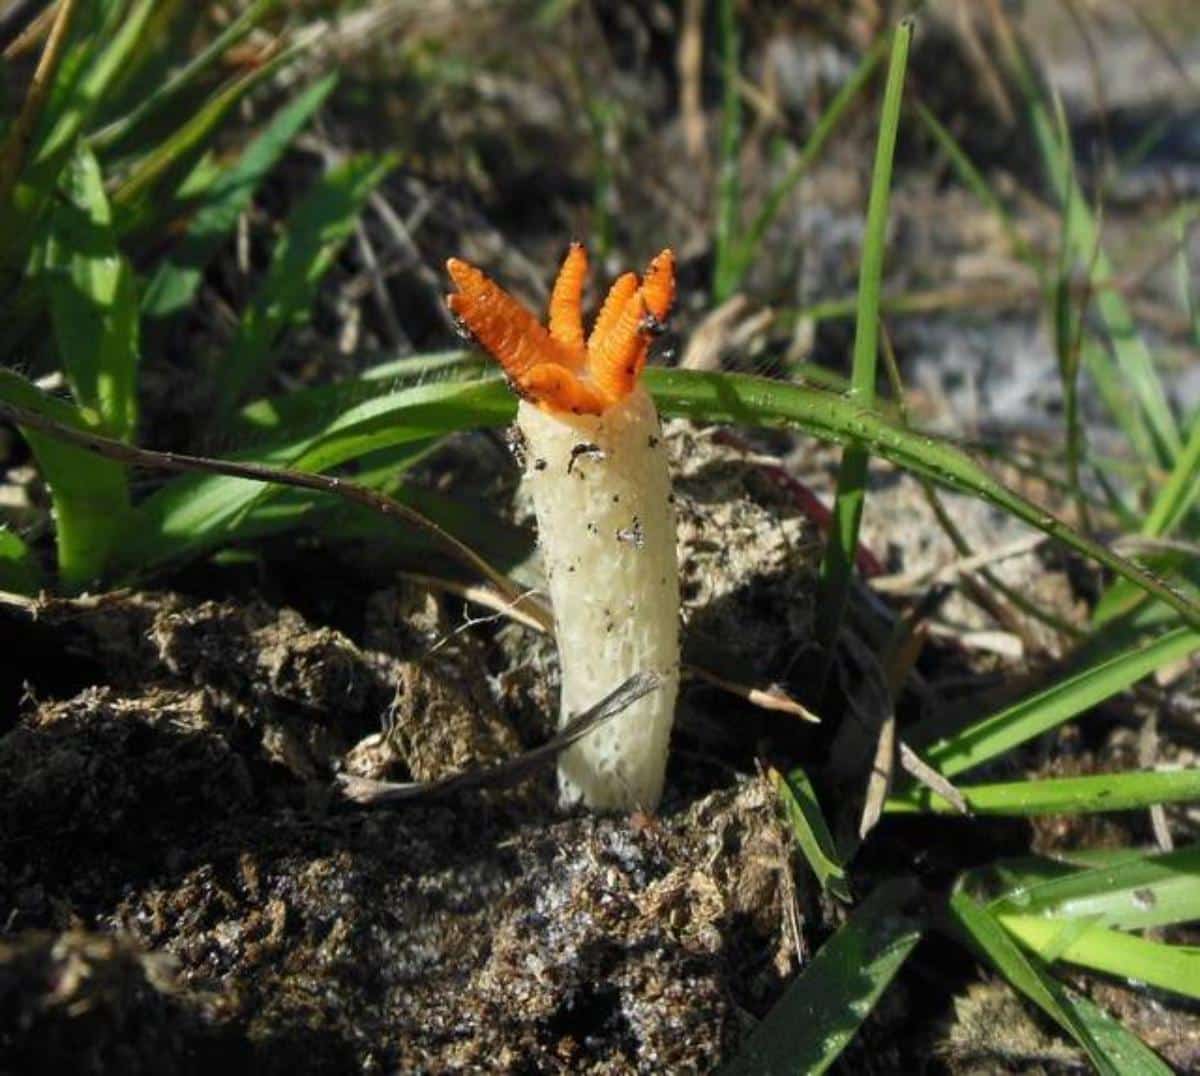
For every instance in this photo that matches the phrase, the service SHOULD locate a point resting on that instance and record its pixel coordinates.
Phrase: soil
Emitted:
(185, 886)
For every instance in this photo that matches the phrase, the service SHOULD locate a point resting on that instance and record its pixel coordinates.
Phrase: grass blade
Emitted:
(178, 277)
(803, 812)
(37, 184)
(315, 232)
(756, 401)
(1175, 499)
(838, 564)
(1139, 892)
(1113, 952)
(1056, 704)
(729, 180)
(294, 412)
(169, 91)
(90, 496)
(1060, 795)
(393, 548)
(825, 126)
(93, 300)
(19, 572)
(823, 1009)
(974, 181)
(20, 132)
(139, 199)
(1112, 1049)
(196, 512)
(1083, 239)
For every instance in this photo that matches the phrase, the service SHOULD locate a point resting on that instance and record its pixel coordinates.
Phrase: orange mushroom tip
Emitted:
(554, 365)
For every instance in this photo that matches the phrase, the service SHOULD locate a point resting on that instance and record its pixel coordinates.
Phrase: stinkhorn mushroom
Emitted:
(597, 468)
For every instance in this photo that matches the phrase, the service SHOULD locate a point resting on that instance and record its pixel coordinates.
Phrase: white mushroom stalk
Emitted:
(597, 469)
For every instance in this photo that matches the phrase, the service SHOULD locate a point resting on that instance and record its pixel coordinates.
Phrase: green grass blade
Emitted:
(196, 512)
(837, 566)
(93, 300)
(1113, 952)
(1114, 391)
(19, 571)
(393, 547)
(314, 233)
(90, 496)
(825, 126)
(18, 132)
(1060, 795)
(1175, 499)
(1136, 892)
(37, 184)
(1125, 1049)
(169, 92)
(729, 178)
(292, 413)
(1083, 238)
(1112, 1049)
(756, 401)
(1054, 705)
(141, 197)
(975, 182)
(823, 1009)
(804, 815)
(177, 278)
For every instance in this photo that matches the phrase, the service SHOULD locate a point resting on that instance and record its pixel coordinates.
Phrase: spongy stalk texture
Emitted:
(606, 525)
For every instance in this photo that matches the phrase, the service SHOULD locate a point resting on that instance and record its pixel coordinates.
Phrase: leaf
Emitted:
(1172, 503)
(93, 300)
(90, 495)
(195, 512)
(1113, 1050)
(826, 1004)
(757, 401)
(314, 233)
(293, 413)
(837, 565)
(1054, 705)
(1111, 952)
(727, 230)
(169, 91)
(393, 547)
(822, 129)
(1060, 795)
(1140, 892)
(75, 107)
(177, 277)
(1083, 240)
(804, 814)
(19, 572)
(157, 175)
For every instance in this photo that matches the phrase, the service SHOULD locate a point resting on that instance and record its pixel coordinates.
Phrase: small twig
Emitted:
(33, 32)
(904, 582)
(16, 17)
(1144, 543)
(879, 782)
(538, 618)
(689, 58)
(766, 699)
(511, 772)
(12, 155)
(924, 774)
